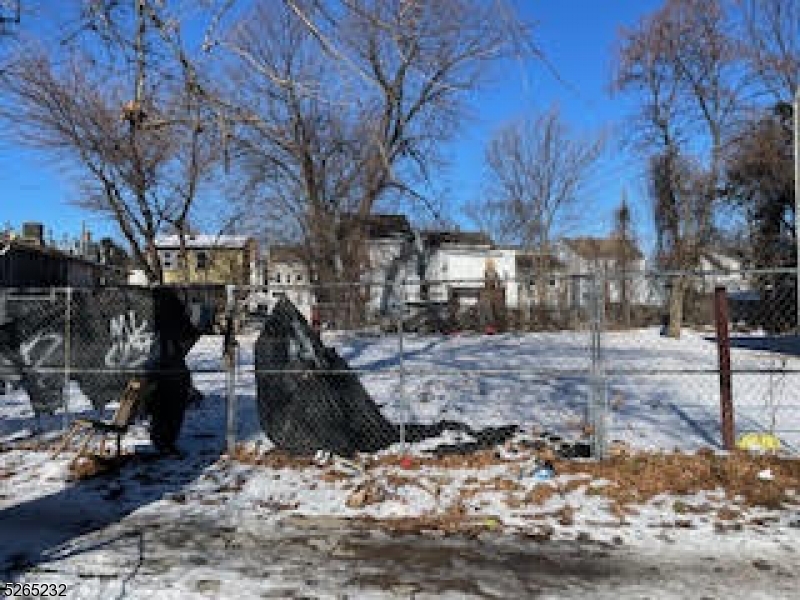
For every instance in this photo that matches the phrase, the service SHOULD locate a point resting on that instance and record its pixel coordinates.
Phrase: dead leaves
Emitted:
(367, 493)
(637, 478)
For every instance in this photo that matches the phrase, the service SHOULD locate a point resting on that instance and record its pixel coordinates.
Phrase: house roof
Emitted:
(536, 262)
(285, 253)
(21, 245)
(594, 248)
(461, 238)
(378, 226)
(203, 241)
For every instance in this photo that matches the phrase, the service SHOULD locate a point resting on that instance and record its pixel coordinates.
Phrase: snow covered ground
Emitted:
(207, 526)
(663, 393)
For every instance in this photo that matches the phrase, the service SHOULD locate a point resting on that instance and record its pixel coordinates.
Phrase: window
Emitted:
(299, 278)
(202, 260)
(168, 259)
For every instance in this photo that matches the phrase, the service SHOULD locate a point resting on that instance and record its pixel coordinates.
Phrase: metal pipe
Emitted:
(67, 355)
(403, 400)
(796, 112)
(230, 369)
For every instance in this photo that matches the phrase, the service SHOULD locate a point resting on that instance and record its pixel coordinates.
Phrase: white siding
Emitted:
(290, 279)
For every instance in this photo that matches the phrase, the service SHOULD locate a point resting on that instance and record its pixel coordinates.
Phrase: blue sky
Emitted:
(576, 36)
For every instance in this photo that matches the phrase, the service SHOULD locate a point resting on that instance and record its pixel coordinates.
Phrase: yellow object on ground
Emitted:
(763, 442)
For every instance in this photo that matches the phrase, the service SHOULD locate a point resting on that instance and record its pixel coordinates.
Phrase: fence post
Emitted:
(229, 349)
(67, 354)
(403, 400)
(598, 401)
(6, 383)
(724, 353)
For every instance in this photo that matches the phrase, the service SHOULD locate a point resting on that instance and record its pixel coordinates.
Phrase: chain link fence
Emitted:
(458, 364)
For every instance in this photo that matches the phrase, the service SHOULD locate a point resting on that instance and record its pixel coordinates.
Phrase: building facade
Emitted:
(28, 261)
(287, 274)
(209, 260)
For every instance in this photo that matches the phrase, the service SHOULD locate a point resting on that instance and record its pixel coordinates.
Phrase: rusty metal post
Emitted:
(724, 353)
(229, 349)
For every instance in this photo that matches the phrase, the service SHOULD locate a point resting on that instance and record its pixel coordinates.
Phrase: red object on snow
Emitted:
(491, 330)
(406, 462)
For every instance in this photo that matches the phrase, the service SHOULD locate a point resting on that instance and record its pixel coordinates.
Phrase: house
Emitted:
(210, 260)
(287, 274)
(720, 269)
(541, 280)
(392, 260)
(27, 261)
(456, 265)
(620, 262)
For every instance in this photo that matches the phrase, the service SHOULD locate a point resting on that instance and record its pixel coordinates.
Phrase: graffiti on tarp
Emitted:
(37, 351)
(131, 343)
(111, 331)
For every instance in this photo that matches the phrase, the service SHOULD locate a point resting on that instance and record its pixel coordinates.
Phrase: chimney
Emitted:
(33, 233)
(86, 239)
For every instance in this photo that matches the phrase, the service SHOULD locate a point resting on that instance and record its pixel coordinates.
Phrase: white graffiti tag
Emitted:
(36, 351)
(40, 353)
(130, 343)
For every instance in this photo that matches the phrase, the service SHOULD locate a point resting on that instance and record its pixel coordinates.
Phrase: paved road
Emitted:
(150, 556)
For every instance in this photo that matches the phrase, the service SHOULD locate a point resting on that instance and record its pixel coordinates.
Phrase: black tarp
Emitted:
(113, 335)
(309, 399)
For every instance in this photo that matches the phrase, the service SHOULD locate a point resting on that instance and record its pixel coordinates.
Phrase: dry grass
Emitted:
(638, 478)
(540, 494)
(474, 460)
(272, 458)
(635, 478)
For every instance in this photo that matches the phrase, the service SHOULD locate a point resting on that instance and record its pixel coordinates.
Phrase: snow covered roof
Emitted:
(203, 241)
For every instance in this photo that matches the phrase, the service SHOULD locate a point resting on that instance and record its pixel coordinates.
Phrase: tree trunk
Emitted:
(676, 298)
(524, 302)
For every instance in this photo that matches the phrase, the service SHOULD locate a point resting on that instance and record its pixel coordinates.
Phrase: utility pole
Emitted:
(796, 116)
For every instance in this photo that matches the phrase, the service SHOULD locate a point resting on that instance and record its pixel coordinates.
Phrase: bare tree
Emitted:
(536, 170)
(625, 239)
(341, 110)
(686, 68)
(371, 124)
(771, 45)
(760, 181)
(138, 137)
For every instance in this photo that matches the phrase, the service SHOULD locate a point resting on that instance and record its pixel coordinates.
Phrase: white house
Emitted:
(456, 264)
(541, 278)
(393, 263)
(616, 260)
(504, 263)
(719, 269)
(287, 274)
